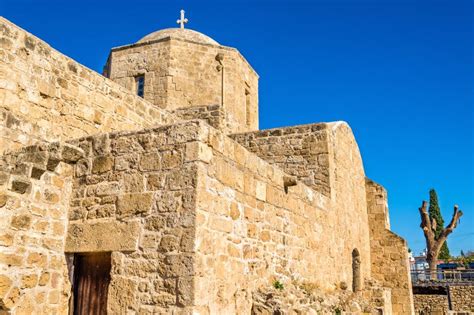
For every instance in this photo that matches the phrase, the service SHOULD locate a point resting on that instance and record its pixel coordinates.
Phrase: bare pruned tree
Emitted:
(433, 243)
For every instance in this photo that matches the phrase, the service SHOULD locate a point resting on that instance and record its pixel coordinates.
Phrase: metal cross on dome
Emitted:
(182, 20)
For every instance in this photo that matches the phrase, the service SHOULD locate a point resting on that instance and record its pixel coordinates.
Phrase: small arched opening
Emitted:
(356, 274)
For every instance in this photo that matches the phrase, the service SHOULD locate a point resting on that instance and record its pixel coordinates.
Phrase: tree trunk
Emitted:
(433, 266)
(433, 242)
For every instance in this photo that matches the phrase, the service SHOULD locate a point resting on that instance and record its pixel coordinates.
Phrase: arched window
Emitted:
(356, 277)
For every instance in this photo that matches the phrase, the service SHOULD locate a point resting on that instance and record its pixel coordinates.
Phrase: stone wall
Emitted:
(301, 151)
(15, 133)
(325, 157)
(212, 114)
(180, 73)
(35, 186)
(462, 297)
(249, 224)
(194, 222)
(134, 196)
(431, 304)
(389, 252)
(56, 97)
(444, 298)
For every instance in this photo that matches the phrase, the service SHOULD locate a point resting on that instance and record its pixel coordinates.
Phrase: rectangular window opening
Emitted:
(140, 85)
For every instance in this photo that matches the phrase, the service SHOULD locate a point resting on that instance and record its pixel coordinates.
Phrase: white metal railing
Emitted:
(463, 275)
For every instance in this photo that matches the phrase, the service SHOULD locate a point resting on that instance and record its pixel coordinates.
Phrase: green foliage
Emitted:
(435, 213)
(278, 285)
(464, 259)
(337, 311)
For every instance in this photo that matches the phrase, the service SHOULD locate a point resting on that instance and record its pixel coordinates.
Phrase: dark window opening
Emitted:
(140, 85)
(90, 274)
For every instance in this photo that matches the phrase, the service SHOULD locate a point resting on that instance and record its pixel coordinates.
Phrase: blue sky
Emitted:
(400, 73)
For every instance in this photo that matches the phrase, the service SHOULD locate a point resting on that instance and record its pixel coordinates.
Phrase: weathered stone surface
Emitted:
(21, 186)
(390, 271)
(71, 153)
(134, 204)
(102, 164)
(21, 222)
(102, 236)
(3, 200)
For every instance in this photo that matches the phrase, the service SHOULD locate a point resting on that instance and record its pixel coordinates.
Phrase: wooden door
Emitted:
(91, 283)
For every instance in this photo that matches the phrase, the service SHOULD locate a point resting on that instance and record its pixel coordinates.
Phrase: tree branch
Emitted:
(457, 214)
(426, 224)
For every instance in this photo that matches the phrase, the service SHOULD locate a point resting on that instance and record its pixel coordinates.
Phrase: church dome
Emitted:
(179, 33)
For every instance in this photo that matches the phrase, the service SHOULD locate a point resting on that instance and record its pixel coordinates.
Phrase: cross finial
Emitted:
(182, 20)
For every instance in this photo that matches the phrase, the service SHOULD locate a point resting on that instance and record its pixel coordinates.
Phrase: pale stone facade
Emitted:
(201, 212)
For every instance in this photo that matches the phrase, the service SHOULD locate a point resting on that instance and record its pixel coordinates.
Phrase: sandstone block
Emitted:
(122, 295)
(29, 281)
(102, 164)
(102, 236)
(37, 259)
(171, 159)
(150, 162)
(261, 190)
(133, 204)
(71, 154)
(3, 200)
(21, 186)
(133, 182)
(198, 151)
(156, 181)
(21, 222)
(5, 285)
(6, 239)
(220, 224)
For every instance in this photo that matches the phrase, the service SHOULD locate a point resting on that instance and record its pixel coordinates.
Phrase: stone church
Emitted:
(149, 189)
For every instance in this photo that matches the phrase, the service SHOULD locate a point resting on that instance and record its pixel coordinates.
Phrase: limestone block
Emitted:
(261, 190)
(102, 236)
(102, 164)
(198, 151)
(150, 162)
(71, 154)
(133, 204)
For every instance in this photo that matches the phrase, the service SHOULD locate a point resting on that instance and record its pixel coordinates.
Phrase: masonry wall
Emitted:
(462, 297)
(250, 225)
(212, 114)
(301, 151)
(35, 186)
(326, 157)
(134, 196)
(389, 252)
(444, 298)
(180, 73)
(431, 304)
(15, 133)
(53, 96)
